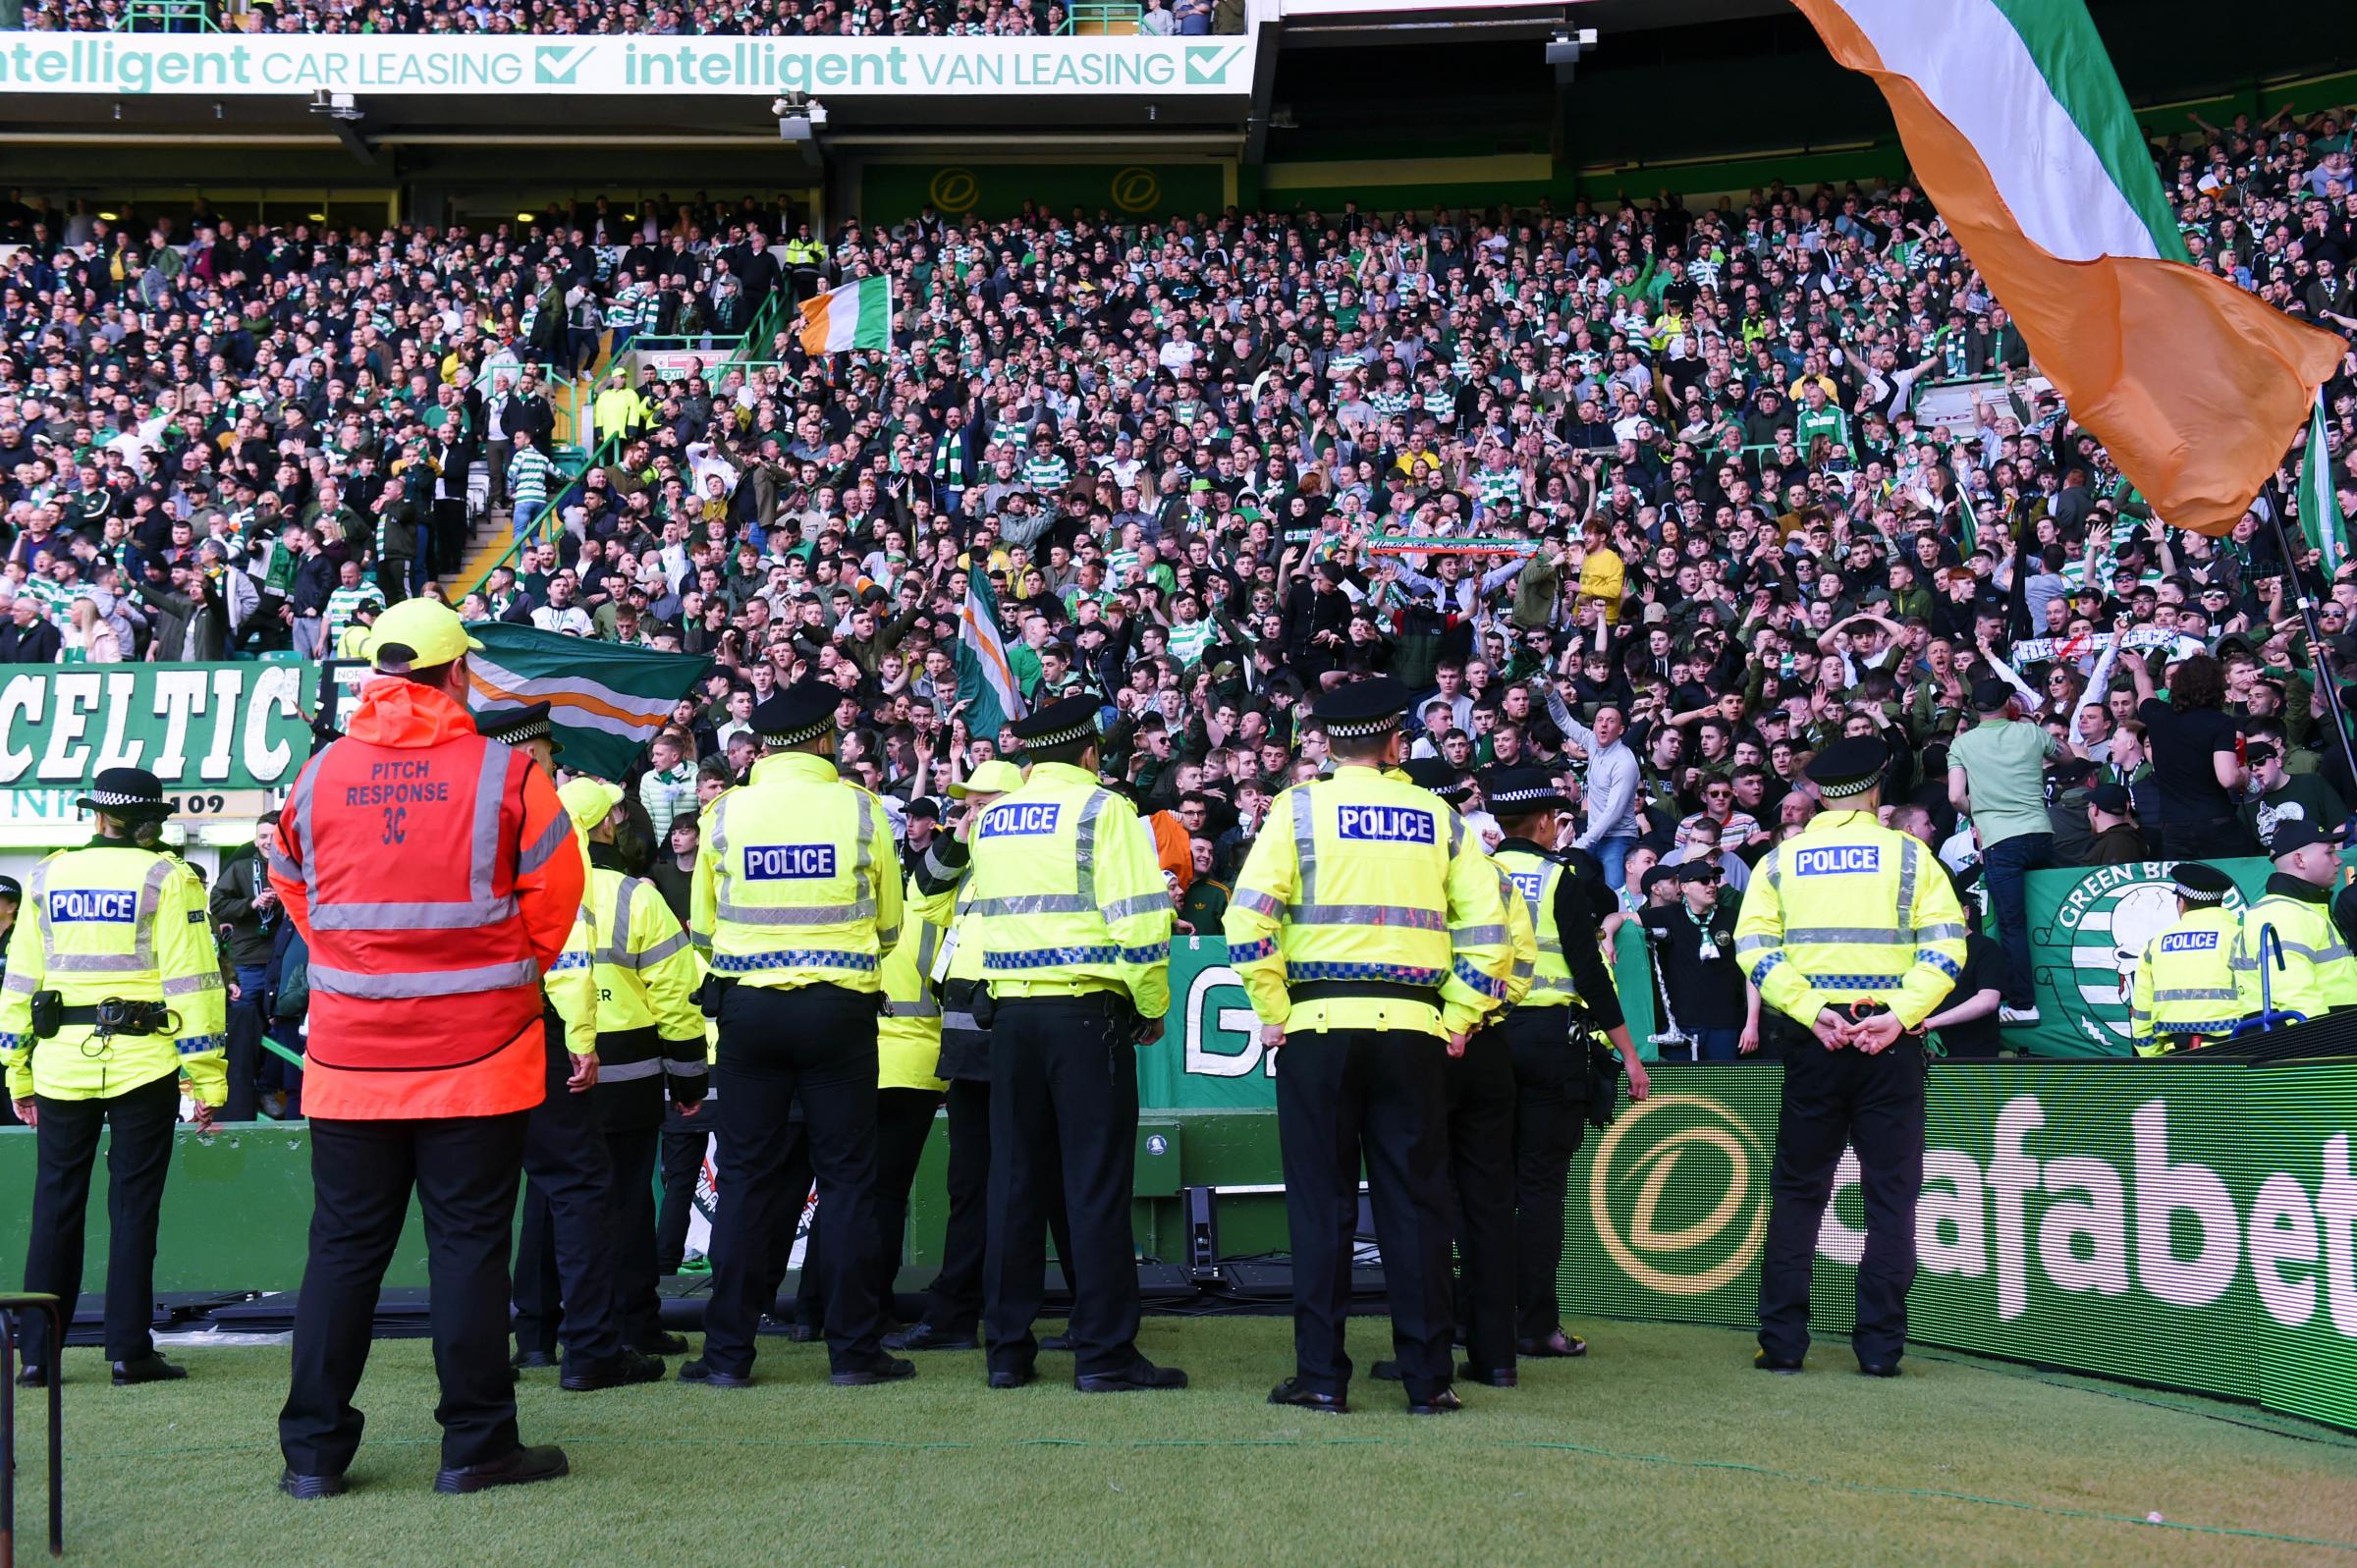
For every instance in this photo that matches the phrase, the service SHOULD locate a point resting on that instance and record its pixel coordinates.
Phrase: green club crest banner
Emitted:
(2087, 927)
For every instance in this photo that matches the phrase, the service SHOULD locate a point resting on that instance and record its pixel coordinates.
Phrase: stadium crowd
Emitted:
(1728, 484)
(848, 18)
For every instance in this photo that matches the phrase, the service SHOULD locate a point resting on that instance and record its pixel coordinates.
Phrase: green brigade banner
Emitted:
(2087, 927)
(242, 65)
(2176, 1222)
(213, 728)
(1209, 1056)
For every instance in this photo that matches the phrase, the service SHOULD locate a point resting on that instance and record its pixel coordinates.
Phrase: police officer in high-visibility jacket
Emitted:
(1073, 919)
(1853, 935)
(650, 1041)
(797, 893)
(2291, 957)
(1479, 1133)
(113, 992)
(434, 876)
(564, 1253)
(2184, 990)
(1551, 1060)
(1370, 933)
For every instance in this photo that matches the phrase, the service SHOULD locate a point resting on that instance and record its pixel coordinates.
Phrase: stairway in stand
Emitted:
(493, 533)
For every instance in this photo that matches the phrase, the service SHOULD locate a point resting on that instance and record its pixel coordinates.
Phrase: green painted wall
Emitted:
(891, 191)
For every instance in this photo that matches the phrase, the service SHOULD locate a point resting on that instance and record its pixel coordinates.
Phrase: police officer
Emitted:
(113, 992)
(1371, 935)
(2291, 957)
(564, 1256)
(650, 1039)
(1853, 935)
(1479, 1134)
(1550, 1054)
(1073, 919)
(797, 893)
(2185, 977)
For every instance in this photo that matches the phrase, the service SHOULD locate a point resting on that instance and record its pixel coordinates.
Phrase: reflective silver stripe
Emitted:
(20, 985)
(1744, 944)
(300, 809)
(553, 837)
(922, 1008)
(629, 1071)
(961, 1020)
(1036, 903)
(1941, 933)
(618, 941)
(1911, 861)
(97, 963)
(928, 939)
(676, 943)
(1469, 936)
(1086, 848)
(489, 790)
(720, 859)
(826, 914)
(2193, 993)
(1145, 903)
(432, 983)
(1369, 914)
(935, 869)
(687, 1067)
(867, 883)
(1253, 899)
(1892, 936)
(702, 940)
(281, 866)
(1305, 846)
(463, 915)
(1771, 867)
(190, 985)
(2313, 954)
(152, 891)
(1457, 835)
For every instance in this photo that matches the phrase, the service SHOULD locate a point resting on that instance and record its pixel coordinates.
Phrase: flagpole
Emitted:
(2318, 658)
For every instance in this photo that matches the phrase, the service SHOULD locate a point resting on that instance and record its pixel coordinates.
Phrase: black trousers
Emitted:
(1874, 1103)
(630, 1230)
(1344, 1095)
(1551, 1118)
(685, 1140)
(138, 1155)
(954, 1301)
(1481, 1104)
(1062, 1114)
(817, 1044)
(463, 1170)
(449, 550)
(564, 1249)
(903, 1122)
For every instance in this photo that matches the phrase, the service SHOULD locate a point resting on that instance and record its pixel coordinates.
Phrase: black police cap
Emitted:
(2294, 834)
(802, 712)
(1058, 724)
(1849, 767)
(2199, 883)
(1441, 777)
(126, 793)
(1363, 709)
(513, 727)
(1521, 791)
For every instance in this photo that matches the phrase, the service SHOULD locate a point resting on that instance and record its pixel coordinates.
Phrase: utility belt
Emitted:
(114, 1016)
(1369, 990)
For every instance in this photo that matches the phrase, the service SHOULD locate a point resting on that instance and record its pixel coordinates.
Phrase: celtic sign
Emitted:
(2181, 1222)
(2088, 928)
(197, 727)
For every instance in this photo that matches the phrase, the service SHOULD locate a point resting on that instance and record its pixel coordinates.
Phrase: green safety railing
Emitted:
(168, 16)
(1099, 17)
(756, 339)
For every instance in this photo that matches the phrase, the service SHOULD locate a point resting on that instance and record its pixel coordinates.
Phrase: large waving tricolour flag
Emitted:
(858, 315)
(606, 701)
(2017, 128)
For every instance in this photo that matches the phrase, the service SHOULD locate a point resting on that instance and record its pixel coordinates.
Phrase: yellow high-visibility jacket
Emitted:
(796, 879)
(2185, 981)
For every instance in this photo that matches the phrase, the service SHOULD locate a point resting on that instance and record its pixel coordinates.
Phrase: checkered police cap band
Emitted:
(1512, 797)
(2201, 895)
(1060, 737)
(531, 730)
(1360, 728)
(795, 737)
(1850, 787)
(111, 798)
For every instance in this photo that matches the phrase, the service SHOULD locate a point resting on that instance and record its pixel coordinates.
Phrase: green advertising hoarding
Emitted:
(196, 727)
(2179, 1222)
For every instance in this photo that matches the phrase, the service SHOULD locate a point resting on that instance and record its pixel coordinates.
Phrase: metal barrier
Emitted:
(168, 16)
(11, 1308)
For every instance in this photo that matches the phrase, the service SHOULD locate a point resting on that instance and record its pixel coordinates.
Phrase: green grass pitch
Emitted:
(1661, 1447)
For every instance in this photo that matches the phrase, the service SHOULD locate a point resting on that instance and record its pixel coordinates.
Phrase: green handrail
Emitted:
(160, 15)
(761, 331)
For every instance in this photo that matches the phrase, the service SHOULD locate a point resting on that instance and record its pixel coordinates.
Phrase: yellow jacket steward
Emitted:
(1366, 905)
(648, 1023)
(113, 920)
(1850, 910)
(2185, 982)
(796, 879)
(2318, 973)
(570, 987)
(1067, 894)
(908, 1036)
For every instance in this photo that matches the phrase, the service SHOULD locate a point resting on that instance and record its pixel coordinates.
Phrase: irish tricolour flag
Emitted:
(2019, 131)
(858, 315)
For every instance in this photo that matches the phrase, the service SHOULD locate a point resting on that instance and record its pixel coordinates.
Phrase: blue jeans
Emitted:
(1716, 1045)
(527, 512)
(1613, 855)
(2008, 864)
